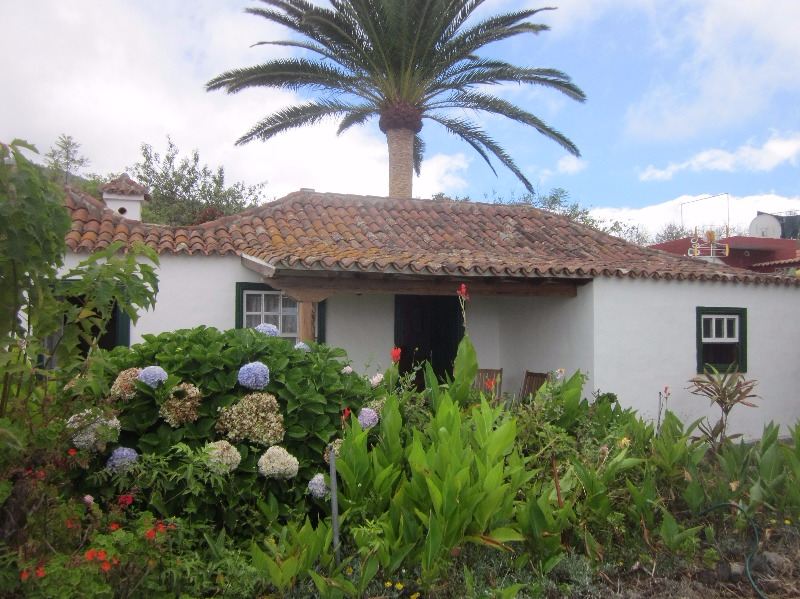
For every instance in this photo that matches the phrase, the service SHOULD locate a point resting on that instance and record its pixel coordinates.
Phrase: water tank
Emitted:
(765, 225)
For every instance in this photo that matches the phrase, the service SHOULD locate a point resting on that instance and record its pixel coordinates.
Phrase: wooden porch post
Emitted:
(306, 319)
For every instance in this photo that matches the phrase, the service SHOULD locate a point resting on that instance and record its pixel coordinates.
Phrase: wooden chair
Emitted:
(531, 383)
(493, 388)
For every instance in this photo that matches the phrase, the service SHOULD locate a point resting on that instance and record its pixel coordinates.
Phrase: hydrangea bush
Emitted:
(297, 402)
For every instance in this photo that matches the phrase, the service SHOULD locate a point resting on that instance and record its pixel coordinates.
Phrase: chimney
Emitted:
(124, 196)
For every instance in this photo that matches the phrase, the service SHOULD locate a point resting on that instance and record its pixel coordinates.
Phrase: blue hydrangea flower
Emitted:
(121, 459)
(317, 487)
(367, 418)
(254, 375)
(270, 330)
(153, 376)
(302, 346)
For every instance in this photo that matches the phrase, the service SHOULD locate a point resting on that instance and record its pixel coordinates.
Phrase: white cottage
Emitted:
(369, 273)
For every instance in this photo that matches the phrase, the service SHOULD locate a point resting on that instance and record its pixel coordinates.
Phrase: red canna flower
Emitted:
(40, 572)
(90, 555)
(72, 451)
(150, 534)
(345, 415)
(24, 575)
(396, 354)
(125, 500)
(160, 527)
(101, 555)
(113, 526)
(105, 566)
(489, 384)
(462, 292)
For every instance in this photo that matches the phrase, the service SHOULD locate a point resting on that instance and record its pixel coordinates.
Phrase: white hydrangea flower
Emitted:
(278, 463)
(376, 380)
(222, 457)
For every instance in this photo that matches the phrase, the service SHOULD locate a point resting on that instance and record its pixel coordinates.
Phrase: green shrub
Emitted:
(311, 393)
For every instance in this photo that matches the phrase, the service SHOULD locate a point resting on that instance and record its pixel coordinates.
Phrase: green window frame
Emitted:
(721, 328)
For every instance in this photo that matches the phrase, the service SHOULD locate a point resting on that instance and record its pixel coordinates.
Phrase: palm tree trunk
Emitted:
(401, 161)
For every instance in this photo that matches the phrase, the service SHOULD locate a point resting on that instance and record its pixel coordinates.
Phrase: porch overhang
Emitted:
(317, 285)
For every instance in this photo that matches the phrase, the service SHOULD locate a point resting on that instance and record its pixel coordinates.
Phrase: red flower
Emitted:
(396, 354)
(489, 384)
(24, 575)
(115, 561)
(40, 474)
(113, 526)
(69, 523)
(462, 292)
(40, 572)
(72, 451)
(101, 555)
(150, 534)
(90, 554)
(345, 414)
(125, 500)
(105, 566)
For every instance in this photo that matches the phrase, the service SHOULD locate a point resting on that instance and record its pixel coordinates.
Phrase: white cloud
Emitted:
(566, 165)
(570, 165)
(695, 211)
(440, 172)
(739, 55)
(773, 153)
(114, 74)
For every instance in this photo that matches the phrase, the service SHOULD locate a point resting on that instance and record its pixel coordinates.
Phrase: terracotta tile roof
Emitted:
(125, 186)
(331, 232)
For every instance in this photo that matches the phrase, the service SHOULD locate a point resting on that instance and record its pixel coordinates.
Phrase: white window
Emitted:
(270, 307)
(720, 328)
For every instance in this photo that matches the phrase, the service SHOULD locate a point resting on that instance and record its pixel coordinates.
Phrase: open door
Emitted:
(427, 327)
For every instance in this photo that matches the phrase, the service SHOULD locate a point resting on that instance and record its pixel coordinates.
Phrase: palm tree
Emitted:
(402, 61)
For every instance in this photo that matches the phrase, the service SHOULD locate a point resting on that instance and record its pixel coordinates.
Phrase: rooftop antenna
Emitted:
(716, 195)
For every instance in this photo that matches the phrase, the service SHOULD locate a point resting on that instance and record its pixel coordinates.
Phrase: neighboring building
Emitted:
(369, 273)
(771, 246)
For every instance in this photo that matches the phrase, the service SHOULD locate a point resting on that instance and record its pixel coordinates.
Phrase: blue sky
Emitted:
(686, 98)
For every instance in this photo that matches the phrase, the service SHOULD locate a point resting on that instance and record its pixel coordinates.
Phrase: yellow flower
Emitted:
(734, 484)
(399, 586)
(624, 442)
(388, 584)
(349, 570)
(787, 522)
(414, 596)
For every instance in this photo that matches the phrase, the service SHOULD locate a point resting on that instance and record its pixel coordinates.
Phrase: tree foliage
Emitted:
(671, 232)
(402, 61)
(184, 192)
(33, 223)
(64, 159)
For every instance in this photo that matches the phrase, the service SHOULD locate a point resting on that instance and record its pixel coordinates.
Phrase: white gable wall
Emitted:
(192, 291)
(645, 338)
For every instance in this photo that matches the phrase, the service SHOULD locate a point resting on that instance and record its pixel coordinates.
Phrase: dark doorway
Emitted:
(427, 327)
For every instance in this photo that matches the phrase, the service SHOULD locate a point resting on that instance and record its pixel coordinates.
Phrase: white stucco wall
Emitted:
(545, 333)
(644, 337)
(192, 290)
(364, 326)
